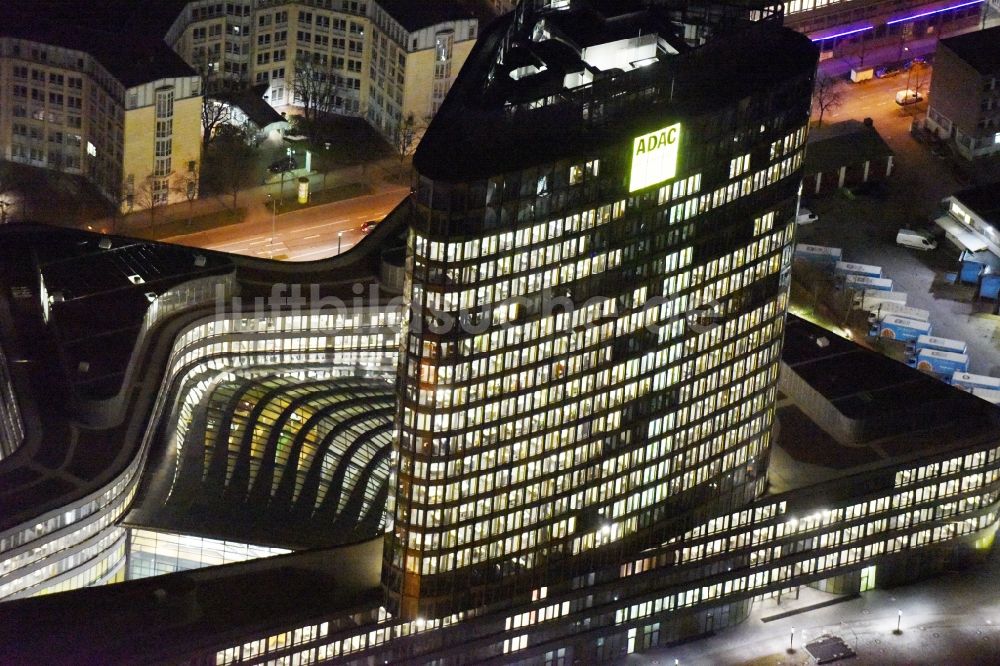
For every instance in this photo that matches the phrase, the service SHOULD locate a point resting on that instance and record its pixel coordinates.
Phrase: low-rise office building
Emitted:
(845, 154)
(964, 103)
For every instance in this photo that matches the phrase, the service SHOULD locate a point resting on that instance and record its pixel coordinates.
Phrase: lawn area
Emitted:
(339, 193)
(351, 141)
(205, 222)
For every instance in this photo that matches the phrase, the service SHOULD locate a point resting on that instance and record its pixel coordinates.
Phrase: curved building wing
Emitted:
(299, 459)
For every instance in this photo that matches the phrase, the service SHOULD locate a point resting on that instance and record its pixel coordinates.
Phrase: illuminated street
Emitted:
(305, 235)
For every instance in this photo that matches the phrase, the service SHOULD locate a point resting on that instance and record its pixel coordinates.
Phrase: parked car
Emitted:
(919, 240)
(907, 97)
(284, 164)
(806, 216)
(369, 226)
(886, 72)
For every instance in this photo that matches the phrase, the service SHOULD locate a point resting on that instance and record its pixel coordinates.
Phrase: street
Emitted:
(304, 235)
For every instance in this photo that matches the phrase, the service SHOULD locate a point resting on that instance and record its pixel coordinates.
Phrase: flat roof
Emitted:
(980, 48)
(841, 144)
(983, 200)
(154, 620)
(135, 53)
(487, 127)
(415, 16)
(911, 414)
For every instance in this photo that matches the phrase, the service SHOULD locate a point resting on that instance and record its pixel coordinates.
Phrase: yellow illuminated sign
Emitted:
(654, 157)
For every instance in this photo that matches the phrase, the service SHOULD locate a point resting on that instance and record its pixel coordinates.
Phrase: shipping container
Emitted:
(968, 381)
(872, 299)
(902, 329)
(989, 395)
(888, 309)
(817, 253)
(941, 344)
(848, 268)
(941, 363)
(866, 284)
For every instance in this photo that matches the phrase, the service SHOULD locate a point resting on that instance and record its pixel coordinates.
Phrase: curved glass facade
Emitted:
(587, 368)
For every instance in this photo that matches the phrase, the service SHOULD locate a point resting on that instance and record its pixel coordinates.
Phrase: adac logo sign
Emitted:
(654, 157)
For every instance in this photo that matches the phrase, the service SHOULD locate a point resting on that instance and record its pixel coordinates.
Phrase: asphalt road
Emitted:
(304, 235)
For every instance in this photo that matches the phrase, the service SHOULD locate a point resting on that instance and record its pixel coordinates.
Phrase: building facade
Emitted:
(556, 405)
(65, 112)
(964, 104)
(83, 106)
(385, 61)
(162, 142)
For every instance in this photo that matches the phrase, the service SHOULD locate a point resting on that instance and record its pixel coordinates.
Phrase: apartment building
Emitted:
(383, 60)
(84, 102)
(964, 103)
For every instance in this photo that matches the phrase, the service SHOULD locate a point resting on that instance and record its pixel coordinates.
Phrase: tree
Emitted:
(148, 194)
(404, 137)
(9, 186)
(314, 88)
(828, 94)
(186, 184)
(916, 77)
(230, 161)
(214, 114)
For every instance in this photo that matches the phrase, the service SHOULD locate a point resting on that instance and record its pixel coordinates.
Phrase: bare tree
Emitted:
(148, 195)
(314, 88)
(230, 162)
(186, 184)
(8, 188)
(828, 95)
(404, 137)
(917, 78)
(214, 114)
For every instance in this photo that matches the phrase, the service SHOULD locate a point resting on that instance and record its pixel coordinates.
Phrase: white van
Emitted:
(920, 240)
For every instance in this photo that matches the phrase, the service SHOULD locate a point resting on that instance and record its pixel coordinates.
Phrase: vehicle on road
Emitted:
(907, 97)
(284, 164)
(369, 226)
(806, 216)
(919, 240)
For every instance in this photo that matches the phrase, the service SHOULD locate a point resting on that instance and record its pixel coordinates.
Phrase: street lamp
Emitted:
(340, 239)
(274, 214)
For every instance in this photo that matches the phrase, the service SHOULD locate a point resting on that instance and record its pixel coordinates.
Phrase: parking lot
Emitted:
(865, 227)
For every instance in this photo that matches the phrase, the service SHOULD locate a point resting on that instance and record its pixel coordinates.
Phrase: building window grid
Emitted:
(436, 253)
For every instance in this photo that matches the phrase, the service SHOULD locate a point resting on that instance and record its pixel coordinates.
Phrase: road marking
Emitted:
(313, 236)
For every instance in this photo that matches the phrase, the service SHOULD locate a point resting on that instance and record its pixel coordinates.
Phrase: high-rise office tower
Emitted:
(598, 271)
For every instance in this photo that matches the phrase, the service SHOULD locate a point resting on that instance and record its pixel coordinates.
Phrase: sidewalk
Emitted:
(252, 202)
(892, 53)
